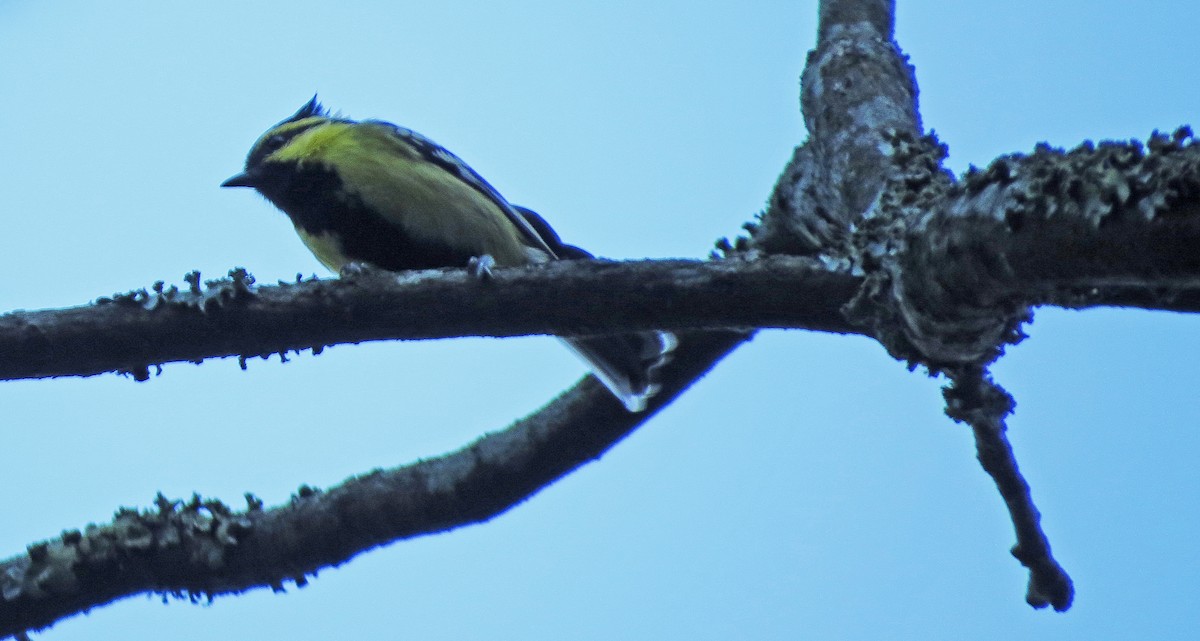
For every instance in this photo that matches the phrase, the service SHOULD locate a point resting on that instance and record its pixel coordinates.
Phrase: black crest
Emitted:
(311, 108)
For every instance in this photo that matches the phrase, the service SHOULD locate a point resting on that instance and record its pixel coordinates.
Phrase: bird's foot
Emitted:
(481, 267)
(355, 268)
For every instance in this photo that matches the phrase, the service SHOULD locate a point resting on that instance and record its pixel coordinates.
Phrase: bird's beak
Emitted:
(241, 180)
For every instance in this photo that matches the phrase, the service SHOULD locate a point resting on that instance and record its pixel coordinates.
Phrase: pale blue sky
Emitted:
(810, 487)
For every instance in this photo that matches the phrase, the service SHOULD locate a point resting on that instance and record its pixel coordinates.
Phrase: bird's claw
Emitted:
(355, 268)
(481, 266)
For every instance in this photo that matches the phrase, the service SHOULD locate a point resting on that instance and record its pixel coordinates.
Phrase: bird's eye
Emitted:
(273, 143)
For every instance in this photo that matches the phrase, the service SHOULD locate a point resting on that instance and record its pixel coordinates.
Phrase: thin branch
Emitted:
(203, 549)
(974, 399)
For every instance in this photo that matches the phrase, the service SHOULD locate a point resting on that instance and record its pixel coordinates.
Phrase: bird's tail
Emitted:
(627, 364)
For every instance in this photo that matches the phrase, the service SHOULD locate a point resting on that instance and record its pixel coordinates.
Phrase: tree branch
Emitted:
(1071, 228)
(204, 549)
(856, 90)
(233, 318)
(973, 398)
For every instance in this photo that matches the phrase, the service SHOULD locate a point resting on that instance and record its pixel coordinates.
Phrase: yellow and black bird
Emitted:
(372, 192)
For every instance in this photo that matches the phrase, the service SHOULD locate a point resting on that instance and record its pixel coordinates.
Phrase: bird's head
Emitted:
(302, 139)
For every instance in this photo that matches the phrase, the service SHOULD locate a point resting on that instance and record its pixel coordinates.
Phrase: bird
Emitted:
(368, 192)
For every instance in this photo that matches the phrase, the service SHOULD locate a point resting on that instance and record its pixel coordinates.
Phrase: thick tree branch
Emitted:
(204, 548)
(233, 318)
(859, 192)
(857, 89)
(1051, 227)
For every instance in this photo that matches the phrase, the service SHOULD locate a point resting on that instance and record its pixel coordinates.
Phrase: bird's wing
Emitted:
(441, 157)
